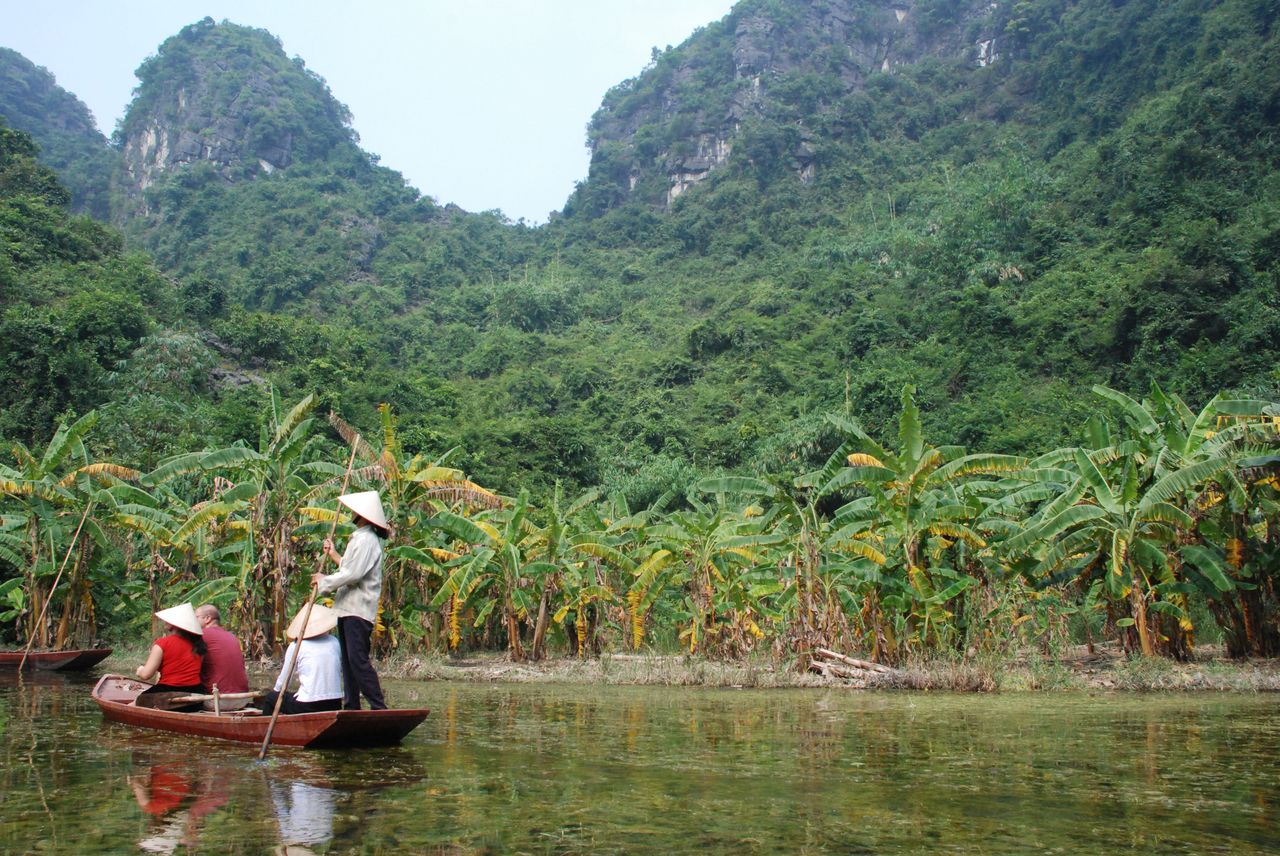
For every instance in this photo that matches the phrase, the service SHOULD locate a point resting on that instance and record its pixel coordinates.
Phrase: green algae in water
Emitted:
(558, 769)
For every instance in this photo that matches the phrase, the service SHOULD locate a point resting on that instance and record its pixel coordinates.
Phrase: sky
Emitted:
(482, 103)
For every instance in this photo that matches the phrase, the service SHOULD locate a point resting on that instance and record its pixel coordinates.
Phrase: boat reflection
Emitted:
(187, 798)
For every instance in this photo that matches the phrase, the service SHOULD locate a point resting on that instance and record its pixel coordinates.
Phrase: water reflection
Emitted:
(198, 798)
(305, 815)
(643, 770)
(648, 770)
(176, 796)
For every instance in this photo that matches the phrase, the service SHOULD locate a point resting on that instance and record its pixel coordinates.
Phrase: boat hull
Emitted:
(56, 661)
(336, 729)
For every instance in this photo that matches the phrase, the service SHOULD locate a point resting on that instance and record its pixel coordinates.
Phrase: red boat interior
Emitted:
(126, 691)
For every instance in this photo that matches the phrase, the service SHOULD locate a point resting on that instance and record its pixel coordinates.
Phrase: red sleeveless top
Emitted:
(179, 665)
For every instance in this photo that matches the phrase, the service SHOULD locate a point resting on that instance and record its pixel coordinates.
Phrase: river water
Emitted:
(571, 769)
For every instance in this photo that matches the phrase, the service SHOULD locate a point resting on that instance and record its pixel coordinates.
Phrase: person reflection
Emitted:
(177, 797)
(305, 815)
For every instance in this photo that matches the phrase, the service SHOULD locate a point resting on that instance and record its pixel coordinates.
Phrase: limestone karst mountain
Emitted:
(802, 63)
(799, 209)
(228, 96)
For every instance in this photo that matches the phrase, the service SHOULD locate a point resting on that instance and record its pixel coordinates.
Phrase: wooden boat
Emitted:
(331, 729)
(61, 661)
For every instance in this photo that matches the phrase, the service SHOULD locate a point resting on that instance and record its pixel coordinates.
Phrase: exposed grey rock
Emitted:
(767, 45)
(228, 96)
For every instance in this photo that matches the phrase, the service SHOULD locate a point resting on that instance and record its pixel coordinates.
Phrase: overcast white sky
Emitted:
(483, 103)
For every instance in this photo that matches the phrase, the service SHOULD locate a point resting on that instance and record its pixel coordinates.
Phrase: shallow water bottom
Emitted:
(572, 769)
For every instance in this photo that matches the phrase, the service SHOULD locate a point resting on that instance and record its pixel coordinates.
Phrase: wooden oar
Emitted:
(306, 615)
(53, 588)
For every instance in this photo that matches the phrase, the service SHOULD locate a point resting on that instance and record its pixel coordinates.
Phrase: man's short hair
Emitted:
(211, 611)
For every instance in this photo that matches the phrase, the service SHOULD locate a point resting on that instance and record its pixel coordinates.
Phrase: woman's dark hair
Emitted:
(384, 534)
(196, 640)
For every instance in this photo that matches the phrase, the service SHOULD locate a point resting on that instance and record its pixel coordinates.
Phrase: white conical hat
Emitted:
(184, 616)
(322, 620)
(368, 505)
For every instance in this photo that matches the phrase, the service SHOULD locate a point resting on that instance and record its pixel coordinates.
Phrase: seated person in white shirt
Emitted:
(319, 667)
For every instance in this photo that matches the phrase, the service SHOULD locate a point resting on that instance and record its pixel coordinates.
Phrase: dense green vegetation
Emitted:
(1162, 524)
(70, 143)
(1097, 209)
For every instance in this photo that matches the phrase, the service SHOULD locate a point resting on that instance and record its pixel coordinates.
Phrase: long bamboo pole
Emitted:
(306, 615)
(54, 587)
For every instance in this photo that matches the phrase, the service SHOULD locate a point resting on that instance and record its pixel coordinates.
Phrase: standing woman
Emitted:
(356, 588)
(178, 656)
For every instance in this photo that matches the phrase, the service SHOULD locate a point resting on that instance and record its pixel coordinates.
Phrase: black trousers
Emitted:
(358, 675)
(292, 705)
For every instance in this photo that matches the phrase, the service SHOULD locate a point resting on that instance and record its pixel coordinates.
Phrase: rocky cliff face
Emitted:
(228, 96)
(786, 61)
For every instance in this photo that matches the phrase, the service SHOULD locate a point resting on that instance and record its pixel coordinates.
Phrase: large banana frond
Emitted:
(1093, 477)
(423, 555)
(26, 487)
(862, 459)
(861, 549)
(957, 532)
(651, 567)
(910, 432)
(103, 472)
(857, 475)
(736, 486)
(459, 490)
(66, 440)
(293, 418)
(610, 555)
(1180, 481)
(1213, 568)
(1070, 518)
(1082, 542)
(351, 437)
(205, 516)
(1134, 412)
(464, 529)
(1164, 512)
(981, 464)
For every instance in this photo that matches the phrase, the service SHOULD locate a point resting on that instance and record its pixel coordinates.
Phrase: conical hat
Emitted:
(322, 620)
(183, 615)
(368, 505)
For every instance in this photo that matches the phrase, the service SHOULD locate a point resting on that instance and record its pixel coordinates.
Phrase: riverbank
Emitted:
(1104, 670)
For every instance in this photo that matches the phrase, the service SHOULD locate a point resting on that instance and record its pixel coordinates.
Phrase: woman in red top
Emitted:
(176, 658)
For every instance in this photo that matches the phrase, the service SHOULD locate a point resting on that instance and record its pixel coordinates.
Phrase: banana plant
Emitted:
(49, 497)
(1234, 561)
(259, 513)
(715, 548)
(616, 545)
(490, 574)
(413, 488)
(906, 514)
(1122, 514)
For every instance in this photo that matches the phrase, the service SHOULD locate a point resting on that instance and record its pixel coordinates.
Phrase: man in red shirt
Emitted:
(224, 663)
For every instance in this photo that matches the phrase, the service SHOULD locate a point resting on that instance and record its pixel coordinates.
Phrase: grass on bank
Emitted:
(1103, 670)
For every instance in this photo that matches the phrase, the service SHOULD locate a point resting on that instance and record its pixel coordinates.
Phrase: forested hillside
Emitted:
(1043, 234)
(798, 210)
(69, 141)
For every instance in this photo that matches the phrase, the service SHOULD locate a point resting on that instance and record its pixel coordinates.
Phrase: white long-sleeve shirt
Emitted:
(319, 668)
(358, 583)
